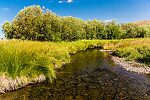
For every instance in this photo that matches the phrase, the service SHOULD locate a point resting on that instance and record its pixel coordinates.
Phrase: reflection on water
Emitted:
(91, 75)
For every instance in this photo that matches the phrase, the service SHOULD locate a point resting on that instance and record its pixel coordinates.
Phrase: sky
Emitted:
(121, 10)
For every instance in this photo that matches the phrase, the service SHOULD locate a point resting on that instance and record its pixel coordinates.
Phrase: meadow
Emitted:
(32, 58)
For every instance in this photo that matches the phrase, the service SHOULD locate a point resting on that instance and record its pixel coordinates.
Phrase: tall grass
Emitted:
(133, 49)
(23, 59)
(31, 58)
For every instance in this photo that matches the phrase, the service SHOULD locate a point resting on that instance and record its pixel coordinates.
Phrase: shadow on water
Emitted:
(91, 75)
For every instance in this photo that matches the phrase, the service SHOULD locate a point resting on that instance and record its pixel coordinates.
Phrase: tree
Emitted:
(72, 29)
(52, 26)
(147, 29)
(35, 23)
(28, 22)
(133, 31)
(8, 30)
(94, 29)
(113, 30)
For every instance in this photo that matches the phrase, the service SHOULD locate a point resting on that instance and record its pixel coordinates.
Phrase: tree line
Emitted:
(35, 23)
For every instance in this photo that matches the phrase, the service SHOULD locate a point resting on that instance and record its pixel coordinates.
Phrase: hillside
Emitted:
(143, 22)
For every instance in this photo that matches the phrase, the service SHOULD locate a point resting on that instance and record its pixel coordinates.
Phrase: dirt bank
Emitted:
(9, 84)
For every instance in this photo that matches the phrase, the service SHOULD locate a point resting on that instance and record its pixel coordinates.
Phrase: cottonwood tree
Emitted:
(52, 26)
(133, 31)
(8, 30)
(28, 22)
(73, 29)
(35, 23)
(94, 29)
(113, 30)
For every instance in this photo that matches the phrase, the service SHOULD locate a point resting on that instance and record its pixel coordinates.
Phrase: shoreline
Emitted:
(10, 84)
(131, 65)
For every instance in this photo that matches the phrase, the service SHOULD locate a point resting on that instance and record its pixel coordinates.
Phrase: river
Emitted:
(91, 75)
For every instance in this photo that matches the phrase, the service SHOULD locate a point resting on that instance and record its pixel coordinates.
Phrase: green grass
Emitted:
(31, 58)
(133, 49)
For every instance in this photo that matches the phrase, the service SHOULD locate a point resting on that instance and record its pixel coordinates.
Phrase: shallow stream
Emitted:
(91, 75)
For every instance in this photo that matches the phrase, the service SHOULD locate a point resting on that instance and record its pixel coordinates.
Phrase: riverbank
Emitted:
(23, 61)
(90, 75)
(131, 65)
(10, 84)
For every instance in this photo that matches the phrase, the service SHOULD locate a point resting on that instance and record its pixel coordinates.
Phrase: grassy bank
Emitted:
(30, 59)
(132, 49)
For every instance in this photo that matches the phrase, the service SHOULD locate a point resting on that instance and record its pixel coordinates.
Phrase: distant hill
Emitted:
(142, 23)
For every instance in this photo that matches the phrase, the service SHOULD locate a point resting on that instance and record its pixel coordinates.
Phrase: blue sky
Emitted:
(121, 10)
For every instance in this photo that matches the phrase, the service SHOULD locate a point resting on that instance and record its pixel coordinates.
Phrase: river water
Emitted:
(91, 75)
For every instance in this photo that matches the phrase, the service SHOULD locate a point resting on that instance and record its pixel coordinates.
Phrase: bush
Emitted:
(129, 53)
(145, 54)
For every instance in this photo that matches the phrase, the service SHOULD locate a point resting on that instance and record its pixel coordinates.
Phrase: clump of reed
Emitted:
(31, 58)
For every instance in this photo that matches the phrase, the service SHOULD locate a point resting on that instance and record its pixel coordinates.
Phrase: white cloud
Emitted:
(69, 1)
(4, 9)
(65, 1)
(60, 1)
(109, 20)
(43, 7)
(1, 33)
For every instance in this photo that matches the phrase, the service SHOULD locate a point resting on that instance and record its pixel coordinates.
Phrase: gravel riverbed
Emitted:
(131, 65)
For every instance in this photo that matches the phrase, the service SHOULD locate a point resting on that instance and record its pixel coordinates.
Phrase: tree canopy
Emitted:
(34, 23)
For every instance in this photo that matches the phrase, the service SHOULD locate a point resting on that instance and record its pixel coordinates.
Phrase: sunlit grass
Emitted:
(31, 58)
(133, 49)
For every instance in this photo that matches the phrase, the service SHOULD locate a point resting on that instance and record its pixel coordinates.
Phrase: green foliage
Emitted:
(94, 29)
(132, 49)
(113, 30)
(129, 53)
(52, 26)
(133, 31)
(140, 53)
(27, 24)
(72, 29)
(147, 29)
(145, 54)
(8, 29)
(34, 23)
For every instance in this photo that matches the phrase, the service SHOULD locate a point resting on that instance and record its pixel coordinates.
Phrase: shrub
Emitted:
(145, 54)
